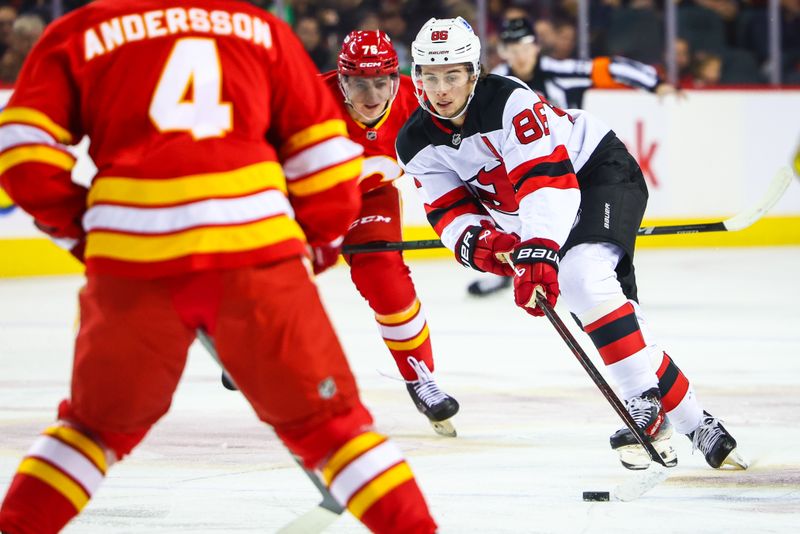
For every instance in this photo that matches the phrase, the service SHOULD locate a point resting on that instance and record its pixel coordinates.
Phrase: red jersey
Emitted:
(215, 141)
(380, 157)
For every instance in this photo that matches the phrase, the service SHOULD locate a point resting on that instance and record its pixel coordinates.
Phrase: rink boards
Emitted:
(705, 157)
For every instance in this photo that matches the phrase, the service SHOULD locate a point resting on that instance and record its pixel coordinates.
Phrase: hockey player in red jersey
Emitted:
(221, 157)
(503, 173)
(377, 101)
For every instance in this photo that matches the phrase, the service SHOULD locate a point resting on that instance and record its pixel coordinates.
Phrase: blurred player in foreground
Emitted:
(221, 156)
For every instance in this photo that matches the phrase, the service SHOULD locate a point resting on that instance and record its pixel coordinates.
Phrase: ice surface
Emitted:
(533, 430)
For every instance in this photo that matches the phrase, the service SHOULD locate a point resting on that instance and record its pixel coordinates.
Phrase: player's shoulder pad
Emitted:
(491, 98)
(412, 137)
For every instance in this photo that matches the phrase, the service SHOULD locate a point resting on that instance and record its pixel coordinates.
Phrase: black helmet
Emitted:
(517, 30)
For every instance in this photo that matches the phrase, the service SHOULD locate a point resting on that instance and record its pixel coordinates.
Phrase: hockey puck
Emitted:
(596, 496)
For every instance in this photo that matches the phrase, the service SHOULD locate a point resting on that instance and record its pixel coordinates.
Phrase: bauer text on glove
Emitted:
(535, 265)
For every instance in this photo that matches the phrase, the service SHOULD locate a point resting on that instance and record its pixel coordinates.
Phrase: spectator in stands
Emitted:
(707, 70)
(727, 11)
(308, 31)
(683, 60)
(24, 33)
(8, 14)
(564, 40)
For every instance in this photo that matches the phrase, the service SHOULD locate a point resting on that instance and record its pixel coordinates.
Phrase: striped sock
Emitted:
(406, 334)
(370, 476)
(55, 480)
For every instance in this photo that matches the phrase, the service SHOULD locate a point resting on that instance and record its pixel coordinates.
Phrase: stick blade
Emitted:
(311, 522)
(773, 194)
(639, 484)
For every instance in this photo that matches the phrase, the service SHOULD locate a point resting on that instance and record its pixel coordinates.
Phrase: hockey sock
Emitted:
(677, 397)
(614, 330)
(406, 334)
(56, 479)
(383, 279)
(677, 394)
(370, 476)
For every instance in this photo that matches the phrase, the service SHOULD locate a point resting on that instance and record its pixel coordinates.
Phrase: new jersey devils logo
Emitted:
(494, 189)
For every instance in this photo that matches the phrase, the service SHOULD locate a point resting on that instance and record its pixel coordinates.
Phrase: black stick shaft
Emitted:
(683, 229)
(597, 378)
(387, 246)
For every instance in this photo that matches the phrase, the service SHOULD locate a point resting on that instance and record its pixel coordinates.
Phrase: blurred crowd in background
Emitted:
(720, 42)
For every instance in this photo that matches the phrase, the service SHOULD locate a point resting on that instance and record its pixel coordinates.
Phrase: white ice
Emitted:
(533, 430)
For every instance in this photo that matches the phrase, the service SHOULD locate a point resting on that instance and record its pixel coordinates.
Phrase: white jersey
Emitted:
(514, 161)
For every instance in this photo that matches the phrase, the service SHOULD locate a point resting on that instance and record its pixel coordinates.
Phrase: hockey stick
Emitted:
(596, 377)
(322, 515)
(738, 222)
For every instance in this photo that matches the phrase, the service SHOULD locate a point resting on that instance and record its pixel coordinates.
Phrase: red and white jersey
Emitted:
(380, 158)
(514, 161)
(216, 143)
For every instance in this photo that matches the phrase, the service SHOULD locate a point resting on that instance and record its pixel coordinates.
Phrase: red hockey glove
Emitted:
(481, 247)
(325, 256)
(535, 265)
(75, 245)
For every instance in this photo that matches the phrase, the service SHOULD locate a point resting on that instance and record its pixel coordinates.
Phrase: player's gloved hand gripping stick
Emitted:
(738, 222)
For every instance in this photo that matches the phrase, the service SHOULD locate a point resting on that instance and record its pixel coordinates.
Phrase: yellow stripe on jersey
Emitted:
(79, 441)
(313, 134)
(353, 448)
(53, 477)
(36, 118)
(411, 344)
(206, 240)
(326, 179)
(5, 200)
(380, 486)
(181, 189)
(36, 154)
(378, 124)
(399, 317)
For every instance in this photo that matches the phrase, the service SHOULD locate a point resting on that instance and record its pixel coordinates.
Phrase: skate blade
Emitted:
(635, 458)
(444, 428)
(736, 461)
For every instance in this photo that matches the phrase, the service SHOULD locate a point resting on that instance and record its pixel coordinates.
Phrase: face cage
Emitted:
(420, 92)
(395, 77)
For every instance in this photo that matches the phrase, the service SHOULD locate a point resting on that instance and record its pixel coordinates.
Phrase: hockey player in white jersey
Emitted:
(503, 173)
(563, 83)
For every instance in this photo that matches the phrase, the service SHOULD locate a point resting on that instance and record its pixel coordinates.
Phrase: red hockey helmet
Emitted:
(367, 53)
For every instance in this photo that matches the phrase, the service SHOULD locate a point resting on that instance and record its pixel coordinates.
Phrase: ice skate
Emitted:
(647, 412)
(716, 444)
(431, 401)
(488, 286)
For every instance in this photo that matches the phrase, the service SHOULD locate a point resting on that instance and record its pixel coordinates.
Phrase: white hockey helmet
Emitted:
(445, 42)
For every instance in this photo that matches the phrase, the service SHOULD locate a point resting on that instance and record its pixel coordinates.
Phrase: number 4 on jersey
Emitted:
(188, 95)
